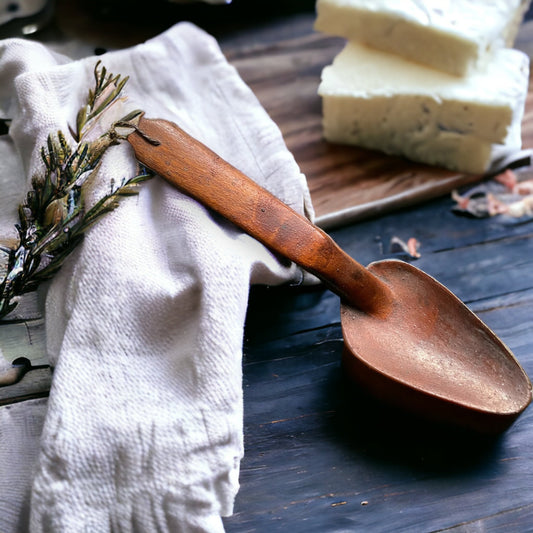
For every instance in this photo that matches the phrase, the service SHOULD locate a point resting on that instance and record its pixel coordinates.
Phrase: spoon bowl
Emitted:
(432, 356)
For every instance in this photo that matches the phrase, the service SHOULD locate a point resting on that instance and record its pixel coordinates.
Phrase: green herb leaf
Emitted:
(54, 218)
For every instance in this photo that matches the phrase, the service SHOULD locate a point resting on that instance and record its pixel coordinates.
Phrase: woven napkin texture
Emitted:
(144, 323)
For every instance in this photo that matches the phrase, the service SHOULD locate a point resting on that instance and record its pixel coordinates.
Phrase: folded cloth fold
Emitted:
(144, 322)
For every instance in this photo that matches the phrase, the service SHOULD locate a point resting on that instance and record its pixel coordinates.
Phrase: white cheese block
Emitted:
(454, 36)
(379, 101)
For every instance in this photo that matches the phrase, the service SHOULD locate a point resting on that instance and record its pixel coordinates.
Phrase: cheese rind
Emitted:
(454, 36)
(375, 100)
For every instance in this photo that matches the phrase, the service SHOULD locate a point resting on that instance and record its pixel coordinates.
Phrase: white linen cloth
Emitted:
(21, 426)
(144, 323)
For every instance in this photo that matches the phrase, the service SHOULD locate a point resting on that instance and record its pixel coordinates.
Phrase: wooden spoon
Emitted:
(407, 338)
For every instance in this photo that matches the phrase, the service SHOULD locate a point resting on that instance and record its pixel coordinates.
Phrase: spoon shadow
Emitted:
(388, 434)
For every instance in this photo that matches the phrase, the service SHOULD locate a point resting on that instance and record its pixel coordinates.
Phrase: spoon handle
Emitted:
(197, 171)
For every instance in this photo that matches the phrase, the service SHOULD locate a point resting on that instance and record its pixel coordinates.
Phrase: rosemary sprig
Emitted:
(54, 218)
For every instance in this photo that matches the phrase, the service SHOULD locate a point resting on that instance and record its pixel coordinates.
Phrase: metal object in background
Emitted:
(24, 17)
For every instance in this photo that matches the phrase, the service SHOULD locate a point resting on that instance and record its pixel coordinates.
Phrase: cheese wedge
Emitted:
(379, 101)
(454, 36)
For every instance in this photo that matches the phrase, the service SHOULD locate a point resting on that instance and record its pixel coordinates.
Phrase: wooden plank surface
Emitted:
(22, 335)
(322, 457)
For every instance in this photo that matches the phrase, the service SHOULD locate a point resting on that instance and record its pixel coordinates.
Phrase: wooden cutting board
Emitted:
(346, 183)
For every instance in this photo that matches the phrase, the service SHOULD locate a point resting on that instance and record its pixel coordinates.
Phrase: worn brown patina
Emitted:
(408, 339)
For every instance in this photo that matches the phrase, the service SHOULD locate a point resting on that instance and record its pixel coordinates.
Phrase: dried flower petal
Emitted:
(524, 187)
(409, 248)
(507, 178)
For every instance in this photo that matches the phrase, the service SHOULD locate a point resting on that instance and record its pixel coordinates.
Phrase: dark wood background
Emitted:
(276, 51)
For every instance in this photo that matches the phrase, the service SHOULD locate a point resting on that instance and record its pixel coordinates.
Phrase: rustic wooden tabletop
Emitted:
(320, 456)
